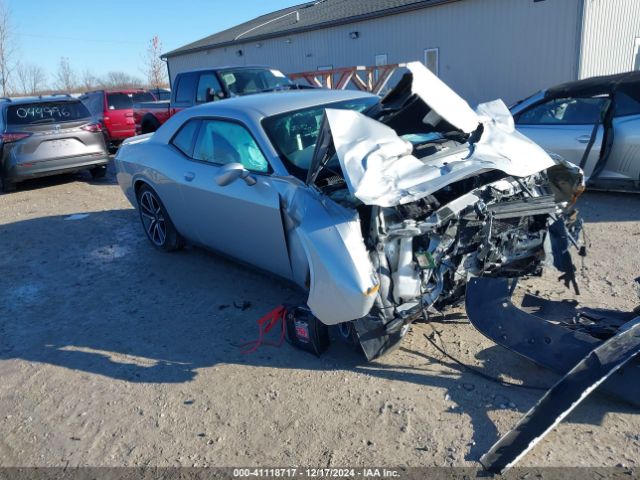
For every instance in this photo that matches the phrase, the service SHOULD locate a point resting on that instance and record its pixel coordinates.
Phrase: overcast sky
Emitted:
(107, 35)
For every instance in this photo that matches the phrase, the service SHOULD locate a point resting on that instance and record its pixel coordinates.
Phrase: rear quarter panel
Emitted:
(141, 159)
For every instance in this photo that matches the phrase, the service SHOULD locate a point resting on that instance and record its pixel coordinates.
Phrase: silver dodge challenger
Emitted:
(383, 210)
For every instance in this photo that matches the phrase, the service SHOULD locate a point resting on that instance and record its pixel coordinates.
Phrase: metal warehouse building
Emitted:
(484, 49)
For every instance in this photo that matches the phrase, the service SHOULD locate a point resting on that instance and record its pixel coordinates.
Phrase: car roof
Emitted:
(125, 91)
(261, 105)
(228, 67)
(40, 99)
(628, 82)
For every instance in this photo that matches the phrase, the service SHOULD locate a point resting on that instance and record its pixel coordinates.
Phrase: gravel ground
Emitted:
(114, 354)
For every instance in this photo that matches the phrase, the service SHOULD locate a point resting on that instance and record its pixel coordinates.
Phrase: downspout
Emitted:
(166, 60)
(580, 27)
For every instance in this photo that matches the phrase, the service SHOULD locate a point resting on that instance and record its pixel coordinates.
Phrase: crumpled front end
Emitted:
(444, 196)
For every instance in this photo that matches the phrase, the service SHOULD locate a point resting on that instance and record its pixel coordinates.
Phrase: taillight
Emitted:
(10, 137)
(92, 127)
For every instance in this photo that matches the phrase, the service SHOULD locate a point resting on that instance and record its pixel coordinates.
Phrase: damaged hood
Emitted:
(441, 99)
(380, 167)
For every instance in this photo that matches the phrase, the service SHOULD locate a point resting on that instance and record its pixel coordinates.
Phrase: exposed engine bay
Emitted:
(424, 252)
(427, 235)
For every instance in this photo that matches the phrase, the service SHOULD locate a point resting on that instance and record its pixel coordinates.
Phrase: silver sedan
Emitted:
(377, 208)
(592, 123)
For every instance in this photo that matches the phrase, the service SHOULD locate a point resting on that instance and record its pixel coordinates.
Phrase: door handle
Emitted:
(189, 176)
(584, 138)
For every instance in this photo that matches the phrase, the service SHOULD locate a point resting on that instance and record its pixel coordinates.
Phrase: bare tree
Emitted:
(65, 77)
(121, 80)
(31, 78)
(7, 47)
(155, 69)
(90, 81)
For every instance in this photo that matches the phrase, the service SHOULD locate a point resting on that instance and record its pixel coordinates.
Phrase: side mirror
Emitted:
(231, 172)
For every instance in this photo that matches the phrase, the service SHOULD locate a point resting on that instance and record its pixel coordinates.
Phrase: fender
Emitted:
(342, 282)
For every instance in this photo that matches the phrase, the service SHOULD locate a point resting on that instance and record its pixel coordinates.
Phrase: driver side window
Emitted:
(219, 142)
(565, 111)
(207, 81)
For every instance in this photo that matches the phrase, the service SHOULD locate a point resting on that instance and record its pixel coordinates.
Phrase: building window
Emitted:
(431, 59)
(636, 55)
(380, 60)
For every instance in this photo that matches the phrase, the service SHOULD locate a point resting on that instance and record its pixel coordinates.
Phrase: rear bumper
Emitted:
(23, 171)
(119, 135)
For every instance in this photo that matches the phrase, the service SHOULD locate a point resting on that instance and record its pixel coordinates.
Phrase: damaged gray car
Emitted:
(386, 211)
(379, 208)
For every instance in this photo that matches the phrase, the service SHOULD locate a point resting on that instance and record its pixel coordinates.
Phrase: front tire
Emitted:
(347, 334)
(156, 221)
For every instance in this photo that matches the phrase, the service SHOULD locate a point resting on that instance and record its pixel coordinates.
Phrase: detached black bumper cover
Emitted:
(587, 351)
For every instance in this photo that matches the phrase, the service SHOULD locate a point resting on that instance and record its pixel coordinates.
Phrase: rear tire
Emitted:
(99, 172)
(7, 186)
(148, 127)
(156, 221)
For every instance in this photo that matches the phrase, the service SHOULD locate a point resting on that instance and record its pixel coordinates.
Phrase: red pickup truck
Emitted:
(208, 85)
(114, 110)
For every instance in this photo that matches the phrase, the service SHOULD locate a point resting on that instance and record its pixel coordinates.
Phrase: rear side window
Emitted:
(625, 105)
(162, 95)
(186, 88)
(566, 111)
(119, 101)
(184, 139)
(46, 112)
(143, 97)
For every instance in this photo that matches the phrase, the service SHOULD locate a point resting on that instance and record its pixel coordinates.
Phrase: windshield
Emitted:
(125, 101)
(46, 112)
(253, 80)
(294, 134)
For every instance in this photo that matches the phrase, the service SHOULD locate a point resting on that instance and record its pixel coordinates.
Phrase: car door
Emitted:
(207, 83)
(623, 161)
(239, 220)
(185, 92)
(565, 125)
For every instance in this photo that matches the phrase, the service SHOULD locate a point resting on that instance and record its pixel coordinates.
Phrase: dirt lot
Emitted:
(112, 353)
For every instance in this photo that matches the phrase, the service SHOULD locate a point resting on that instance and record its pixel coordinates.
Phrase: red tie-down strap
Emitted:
(265, 324)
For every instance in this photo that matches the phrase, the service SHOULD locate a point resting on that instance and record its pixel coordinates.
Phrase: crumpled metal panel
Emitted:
(380, 168)
(343, 282)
